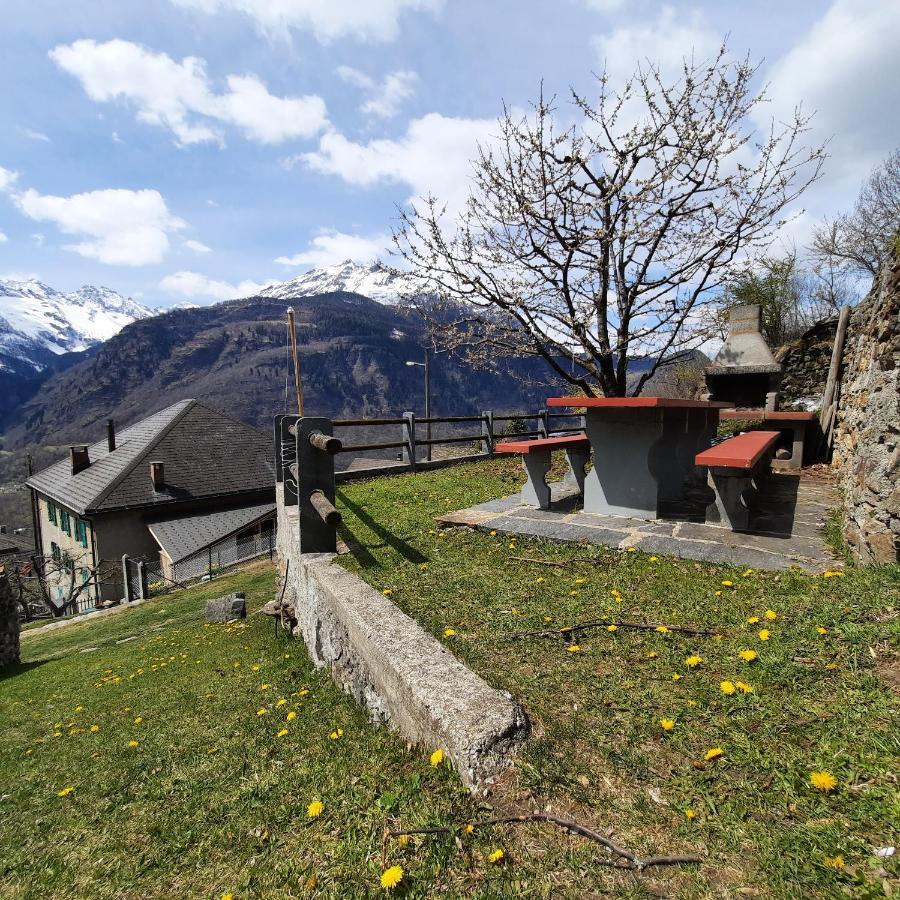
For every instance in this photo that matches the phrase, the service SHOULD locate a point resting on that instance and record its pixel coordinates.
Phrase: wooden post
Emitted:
(292, 331)
(837, 353)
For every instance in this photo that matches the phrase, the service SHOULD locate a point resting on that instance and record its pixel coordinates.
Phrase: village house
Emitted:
(165, 490)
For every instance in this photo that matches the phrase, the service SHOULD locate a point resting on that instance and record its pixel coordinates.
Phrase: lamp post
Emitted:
(425, 366)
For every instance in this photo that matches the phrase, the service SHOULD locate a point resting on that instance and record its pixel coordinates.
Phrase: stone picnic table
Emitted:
(644, 449)
(795, 422)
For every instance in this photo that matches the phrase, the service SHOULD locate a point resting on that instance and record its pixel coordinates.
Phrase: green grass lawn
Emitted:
(212, 800)
(815, 699)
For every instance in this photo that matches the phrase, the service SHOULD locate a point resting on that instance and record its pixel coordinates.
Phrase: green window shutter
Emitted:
(64, 522)
(51, 511)
(81, 532)
(85, 576)
(54, 550)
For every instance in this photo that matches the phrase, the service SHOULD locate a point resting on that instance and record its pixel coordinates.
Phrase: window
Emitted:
(65, 522)
(54, 551)
(85, 576)
(81, 532)
(51, 511)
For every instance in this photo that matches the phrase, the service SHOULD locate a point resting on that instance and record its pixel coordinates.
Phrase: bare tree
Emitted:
(57, 583)
(596, 245)
(858, 242)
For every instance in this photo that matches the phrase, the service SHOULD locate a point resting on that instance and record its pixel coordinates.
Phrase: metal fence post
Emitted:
(143, 593)
(410, 450)
(487, 432)
(126, 579)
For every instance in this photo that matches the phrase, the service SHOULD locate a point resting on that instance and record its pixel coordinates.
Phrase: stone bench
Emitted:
(536, 460)
(735, 469)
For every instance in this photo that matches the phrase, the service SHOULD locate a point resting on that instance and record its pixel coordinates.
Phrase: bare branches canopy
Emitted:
(598, 243)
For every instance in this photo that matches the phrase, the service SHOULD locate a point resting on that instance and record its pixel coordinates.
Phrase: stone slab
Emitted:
(227, 608)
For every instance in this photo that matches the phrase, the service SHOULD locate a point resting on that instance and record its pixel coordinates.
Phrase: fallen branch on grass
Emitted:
(540, 562)
(605, 623)
(625, 858)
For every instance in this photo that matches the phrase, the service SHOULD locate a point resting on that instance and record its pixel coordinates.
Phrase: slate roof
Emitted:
(13, 544)
(182, 536)
(206, 454)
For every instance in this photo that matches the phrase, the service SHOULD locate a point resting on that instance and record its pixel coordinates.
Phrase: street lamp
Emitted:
(425, 366)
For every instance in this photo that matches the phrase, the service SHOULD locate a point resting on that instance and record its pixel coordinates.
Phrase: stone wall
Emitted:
(867, 437)
(806, 361)
(9, 626)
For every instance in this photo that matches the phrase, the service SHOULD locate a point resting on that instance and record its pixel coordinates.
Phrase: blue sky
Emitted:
(194, 149)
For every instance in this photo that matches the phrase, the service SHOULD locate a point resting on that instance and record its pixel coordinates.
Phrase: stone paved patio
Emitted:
(786, 529)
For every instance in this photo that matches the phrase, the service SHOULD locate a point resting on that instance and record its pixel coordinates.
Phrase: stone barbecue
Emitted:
(744, 371)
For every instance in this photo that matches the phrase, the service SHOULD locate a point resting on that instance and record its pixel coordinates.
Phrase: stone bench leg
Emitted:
(577, 460)
(536, 492)
(734, 497)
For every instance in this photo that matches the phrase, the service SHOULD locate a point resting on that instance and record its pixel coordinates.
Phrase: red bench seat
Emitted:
(564, 442)
(743, 451)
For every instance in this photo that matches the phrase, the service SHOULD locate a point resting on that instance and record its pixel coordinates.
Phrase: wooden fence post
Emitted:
(410, 451)
(487, 432)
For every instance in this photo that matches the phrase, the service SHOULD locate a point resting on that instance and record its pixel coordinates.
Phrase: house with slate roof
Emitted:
(163, 489)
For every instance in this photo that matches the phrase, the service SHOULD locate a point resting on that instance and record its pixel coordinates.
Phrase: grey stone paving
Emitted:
(785, 530)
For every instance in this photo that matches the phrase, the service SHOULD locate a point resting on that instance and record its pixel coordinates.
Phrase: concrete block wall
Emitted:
(404, 677)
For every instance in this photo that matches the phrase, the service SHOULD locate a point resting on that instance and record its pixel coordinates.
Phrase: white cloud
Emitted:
(329, 247)
(847, 69)
(120, 227)
(197, 246)
(384, 98)
(365, 20)
(7, 178)
(666, 41)
(35, 135)
(3, 238)
(604, 6)
(434, 156)
(193, 285)
(179, 96)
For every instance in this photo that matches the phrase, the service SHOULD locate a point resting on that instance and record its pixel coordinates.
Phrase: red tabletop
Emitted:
(765, 415)
(741, 452)
(636, 403)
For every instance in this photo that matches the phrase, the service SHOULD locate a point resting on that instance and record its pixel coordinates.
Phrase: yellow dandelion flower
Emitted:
(436, 758)
(282, 733)
(573, 593)
(573, 648)
(747, 573)
(632, 550)
(255, 668)
(314, 810)
(713, 753)
(652, 654)
(540, 579)
(387, 592)
(403, 840)
(280, 701)
(662, 629)
(337, 733)
(470, 828)
(693, 661)
(752, 620)
(764, 634)
(391, 877)
(95, 729)
(493, 533)
(449, 632)
(690, 815)
(654, 558)
(580, 580)
(291, 716)
(822, 630)
(823, 781)
(262, 711)
(65, 791)
(831, 665)
(771, 615)
(496, 856)
(79, 708)
(302, 692)
(265, 687)
(748, 655)
(138, 720)
(667, 724)
(676, 677)
(743, 687)
(727, 687)
(132, 744)
(834, 862)
(727, 583)
(612, 627)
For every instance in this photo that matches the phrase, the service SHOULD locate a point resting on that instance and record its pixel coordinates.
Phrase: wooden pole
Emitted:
(293, 335)
(837, 352)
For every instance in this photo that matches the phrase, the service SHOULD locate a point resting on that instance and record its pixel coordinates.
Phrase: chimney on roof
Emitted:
(111, 435)
(80, 459)
(157, 475)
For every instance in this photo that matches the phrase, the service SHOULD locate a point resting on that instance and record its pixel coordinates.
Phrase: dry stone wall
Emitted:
(805, 364)
(867, 439)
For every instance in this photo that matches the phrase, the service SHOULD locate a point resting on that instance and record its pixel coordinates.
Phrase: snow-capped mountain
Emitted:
(374, 281)
(36, 320)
